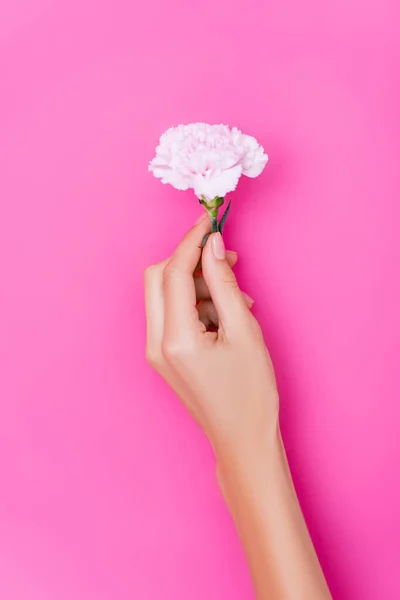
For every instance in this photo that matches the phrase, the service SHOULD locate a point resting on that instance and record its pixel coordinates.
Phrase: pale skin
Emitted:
(204, 341)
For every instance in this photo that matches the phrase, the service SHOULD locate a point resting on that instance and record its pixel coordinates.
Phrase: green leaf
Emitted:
(224, 218)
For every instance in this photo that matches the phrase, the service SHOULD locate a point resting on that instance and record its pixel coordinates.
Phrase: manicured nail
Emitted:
(201, 218)
(248, 299)
(218, 246)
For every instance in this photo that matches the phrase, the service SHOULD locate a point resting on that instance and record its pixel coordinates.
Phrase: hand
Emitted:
(204, 341)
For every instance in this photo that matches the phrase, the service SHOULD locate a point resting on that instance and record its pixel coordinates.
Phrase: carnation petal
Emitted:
(220, 184)
(254, 169)
(174, 178)
(208, 158)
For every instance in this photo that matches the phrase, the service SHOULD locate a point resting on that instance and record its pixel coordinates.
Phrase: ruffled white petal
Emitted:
(207, 158)
(219, 184)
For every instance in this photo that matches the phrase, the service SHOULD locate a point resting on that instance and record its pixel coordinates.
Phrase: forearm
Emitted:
(260, 494)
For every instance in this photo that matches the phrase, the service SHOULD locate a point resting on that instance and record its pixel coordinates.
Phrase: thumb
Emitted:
(221, 281)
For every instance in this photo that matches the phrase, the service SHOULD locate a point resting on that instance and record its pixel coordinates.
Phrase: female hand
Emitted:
(204, 341)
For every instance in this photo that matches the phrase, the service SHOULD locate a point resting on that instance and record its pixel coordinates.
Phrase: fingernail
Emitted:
(248, 299)
(218, 246)
(201, 218)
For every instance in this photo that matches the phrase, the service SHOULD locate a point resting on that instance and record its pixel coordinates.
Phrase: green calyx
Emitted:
(212, 208)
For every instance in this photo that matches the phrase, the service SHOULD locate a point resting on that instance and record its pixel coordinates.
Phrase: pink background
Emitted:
(107, 488)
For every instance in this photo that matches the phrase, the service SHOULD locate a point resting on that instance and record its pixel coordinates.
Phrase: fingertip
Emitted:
(203, 223)
(218, 246)
(201, 218)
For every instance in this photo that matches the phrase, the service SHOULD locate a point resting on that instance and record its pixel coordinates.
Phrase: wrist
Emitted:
(241, 466)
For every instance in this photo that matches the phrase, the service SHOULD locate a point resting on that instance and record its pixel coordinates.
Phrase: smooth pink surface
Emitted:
(107, 488)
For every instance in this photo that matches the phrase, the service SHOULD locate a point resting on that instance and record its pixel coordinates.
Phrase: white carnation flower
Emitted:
(207, 158)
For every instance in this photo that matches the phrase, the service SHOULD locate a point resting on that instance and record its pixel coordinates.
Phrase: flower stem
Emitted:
(214, 220)
(212, 207)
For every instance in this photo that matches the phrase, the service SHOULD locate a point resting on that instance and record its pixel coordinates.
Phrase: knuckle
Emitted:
(176, 351)
(154, 358)
(150, 271)
(249, 331)
(172, 351)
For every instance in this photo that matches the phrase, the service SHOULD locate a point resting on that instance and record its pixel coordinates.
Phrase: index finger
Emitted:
(181, 317)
